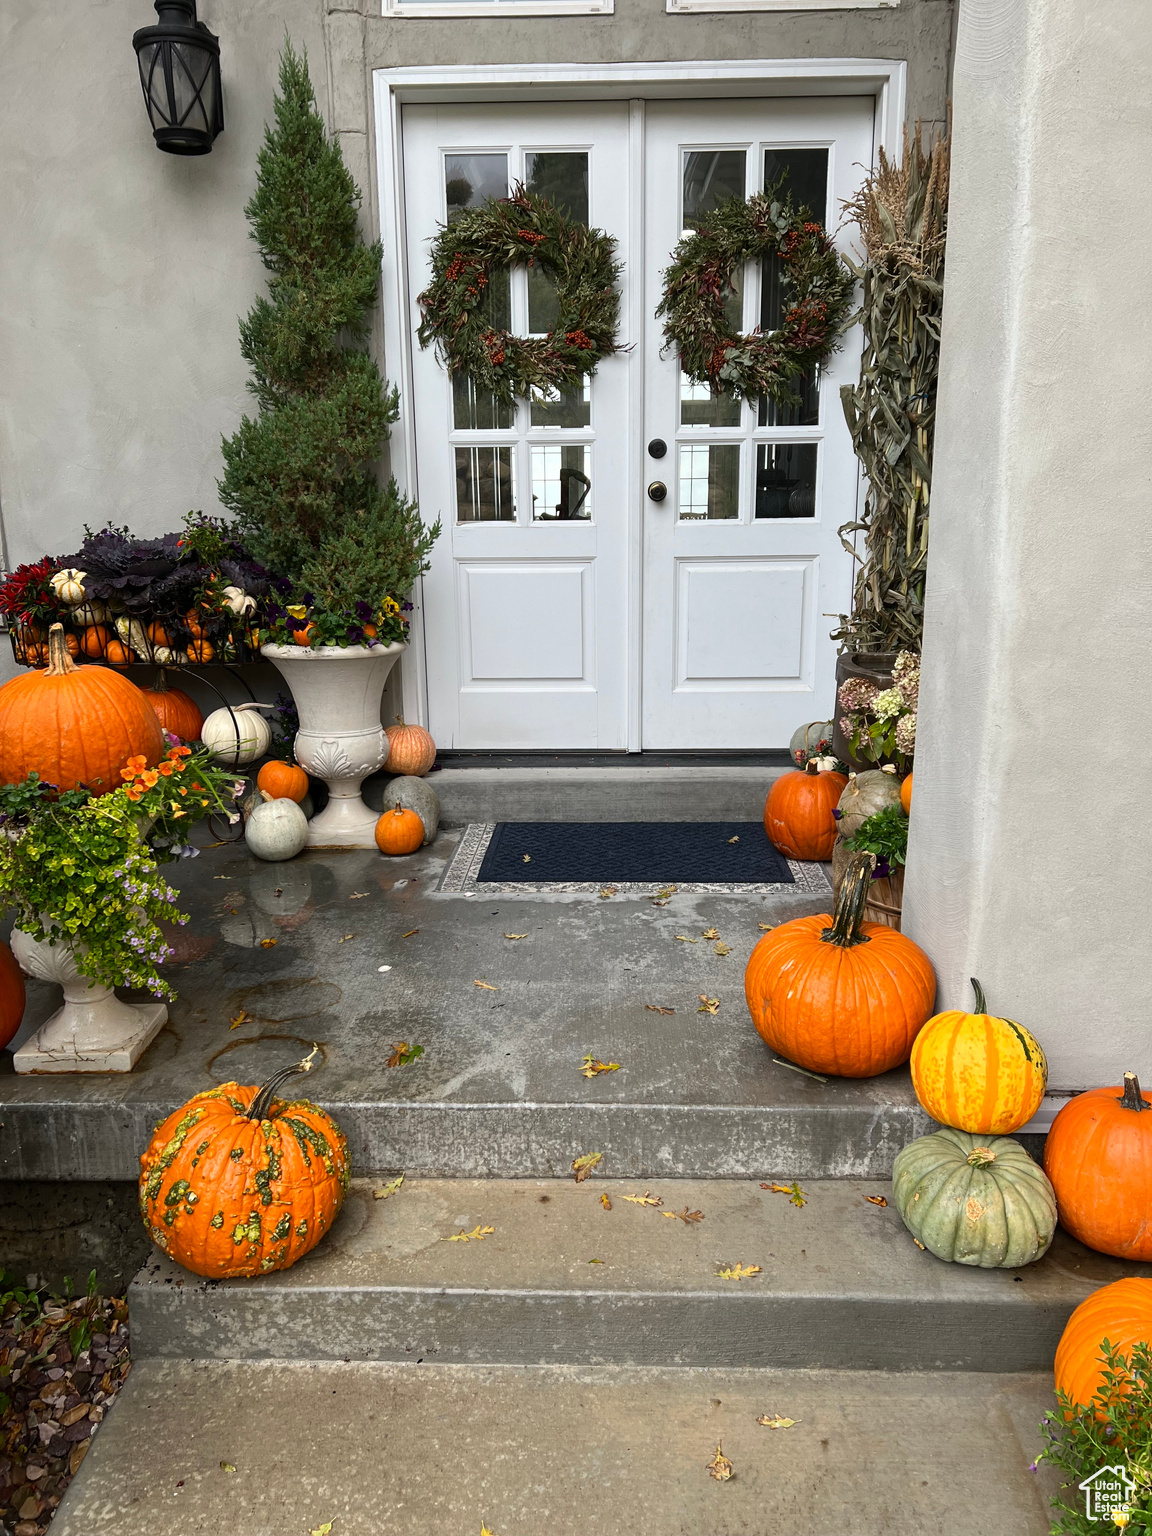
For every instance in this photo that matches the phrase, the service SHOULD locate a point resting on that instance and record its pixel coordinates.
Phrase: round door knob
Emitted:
(657, 447)
(657, 490)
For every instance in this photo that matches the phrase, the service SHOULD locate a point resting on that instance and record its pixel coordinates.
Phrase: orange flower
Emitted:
(179, 766)
(149, 777)
(165, 769)
(180, 751)
(196, 784)
(183, 791)
(133, 793)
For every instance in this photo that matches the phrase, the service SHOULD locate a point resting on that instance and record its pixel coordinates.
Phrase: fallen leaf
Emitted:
(665, 894)
(776, 1421)
(647, 1198)
(389, 1189)
(343, 939)
(656, 903)
(606, 891)
(484, 1531)
(404, 1054)
(767, 927)
(410, 932)
(221, 877)
(226, 1466)
(684, 939)
(605, 1202)
(919, 1245)
(595, 1261)
(527, 858)
(243, 1017)
(685, 1215)
(655, 1008)
(875, 1199)
(798, 1197)
(383, 967)
(804, 1072)
(708, 1004)
(710, 933)
(477, 1235)
(589, 1067)
(737, 1271)
(486, 986)
(583, 1166)
(323, 1530)
(267, 943)
(734, 839)
(356, 895)
(515, 935)
(720, 1467)
(721, 949)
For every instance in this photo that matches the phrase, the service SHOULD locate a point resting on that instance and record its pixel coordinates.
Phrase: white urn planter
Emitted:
(94, 1031)
(337, 691)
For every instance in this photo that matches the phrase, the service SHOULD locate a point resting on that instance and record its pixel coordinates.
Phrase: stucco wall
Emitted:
(1029, 860)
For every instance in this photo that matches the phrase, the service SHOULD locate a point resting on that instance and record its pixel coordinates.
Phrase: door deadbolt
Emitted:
(657, 490)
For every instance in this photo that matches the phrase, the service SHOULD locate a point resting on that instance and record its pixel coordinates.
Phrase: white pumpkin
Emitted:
(167, 657)
(69, 585)
(90, 612)
(276, 830)
(238, 735)
(238, 601)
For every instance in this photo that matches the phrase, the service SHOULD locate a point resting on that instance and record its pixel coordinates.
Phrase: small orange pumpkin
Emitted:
(798, 812)
(158, 635)
(978, 1073)
(411, 749)
(839, 995)
(239, 1182)
(1122, 1314)
(74, 725)
(906, 795)
(175, 711)
(200, 650)
(399, 831)
(1099, 1157)
(11, 995)
(94, 640)
(303, 636)
(118, 654)
(283, 781)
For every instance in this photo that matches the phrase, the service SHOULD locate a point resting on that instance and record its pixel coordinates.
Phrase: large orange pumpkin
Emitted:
(836, 994)
(399, 831)
(74, 725)
(410, 749)
(979, 1073)
(1099, 1157)
(174, 709)
(238, 1182)
(798, 813)
(1122, 1314)
(283, 781)
(11, 995)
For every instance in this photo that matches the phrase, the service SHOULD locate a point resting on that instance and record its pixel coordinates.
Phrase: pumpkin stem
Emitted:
(59, 661)
(1132, 1098)
(262, 1103)
(980, 1157)
(981, 1005)
(161, 683)
(845, 929)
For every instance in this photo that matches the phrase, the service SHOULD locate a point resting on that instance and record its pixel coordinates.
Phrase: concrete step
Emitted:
(562, 1280)
(498, 1091)
(429, 1450)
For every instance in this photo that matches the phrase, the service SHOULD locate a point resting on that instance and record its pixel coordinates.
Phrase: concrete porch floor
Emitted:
(298, 949)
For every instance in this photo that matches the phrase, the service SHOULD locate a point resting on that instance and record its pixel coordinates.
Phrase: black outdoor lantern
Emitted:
(180, 71)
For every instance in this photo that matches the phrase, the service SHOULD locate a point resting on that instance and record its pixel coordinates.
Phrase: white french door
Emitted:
(531, 637)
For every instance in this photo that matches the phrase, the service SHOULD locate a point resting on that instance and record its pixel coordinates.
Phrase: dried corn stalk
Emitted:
(902, 211)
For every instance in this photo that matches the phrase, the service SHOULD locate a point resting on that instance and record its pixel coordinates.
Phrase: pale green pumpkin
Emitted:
(975, 1199)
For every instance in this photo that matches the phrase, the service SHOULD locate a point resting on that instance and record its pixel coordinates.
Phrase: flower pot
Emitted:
(94, 1031)
(337, 690)
(876, 666)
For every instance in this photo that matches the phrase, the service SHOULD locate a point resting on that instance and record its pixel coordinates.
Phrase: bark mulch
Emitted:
(61, 1364)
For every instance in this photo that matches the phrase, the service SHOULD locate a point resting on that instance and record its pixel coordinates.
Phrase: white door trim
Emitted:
(883, 79)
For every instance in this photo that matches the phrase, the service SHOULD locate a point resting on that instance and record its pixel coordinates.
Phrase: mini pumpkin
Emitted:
(276, 830)
(303, 637)
(411, 749)
(175, 711)
(117, 654)
(283, 781)
(94, 640)
(1099, 1157)
(399, 831)
(835, 994)
(200, 650)
(1122, 1314)
(906, 795)
(798, 812)
(236, 735)
(238, 1182)
(68, 586)
(978, 1072)
(974, 1199)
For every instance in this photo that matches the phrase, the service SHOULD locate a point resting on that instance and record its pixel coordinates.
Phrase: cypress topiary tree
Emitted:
(299, 476)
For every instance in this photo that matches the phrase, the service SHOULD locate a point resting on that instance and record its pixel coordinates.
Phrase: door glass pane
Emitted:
(572, 408)
(709, 481)
(806, 179)
(561, 482)
(562, 177)
(485, 485)
(786, 479)
(711, 177)
(699, 407)
(469, 182)
(474, 412)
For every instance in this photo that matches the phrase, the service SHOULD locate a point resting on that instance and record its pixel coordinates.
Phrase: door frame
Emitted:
(883, 79)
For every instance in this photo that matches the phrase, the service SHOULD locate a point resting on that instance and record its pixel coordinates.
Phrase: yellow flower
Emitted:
(391, 606)
(297, 610)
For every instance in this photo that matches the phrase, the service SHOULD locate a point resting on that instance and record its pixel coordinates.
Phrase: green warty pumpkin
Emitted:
(974, 1199)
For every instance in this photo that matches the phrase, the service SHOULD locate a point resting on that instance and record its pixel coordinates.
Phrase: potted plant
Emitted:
(878, 724)
(884, 835)
(82, 873)
(299, 475)
(902, 211)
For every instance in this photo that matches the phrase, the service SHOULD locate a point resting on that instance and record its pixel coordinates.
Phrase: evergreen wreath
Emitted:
(816, 283)
(504, 233)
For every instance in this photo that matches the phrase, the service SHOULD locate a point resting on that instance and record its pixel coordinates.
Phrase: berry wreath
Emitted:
(817, 288)
(521, 229)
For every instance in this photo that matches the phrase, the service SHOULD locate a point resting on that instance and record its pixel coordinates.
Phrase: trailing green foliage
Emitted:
(1115, 1429)
(299, 476)
(885, 834)
(902, 211)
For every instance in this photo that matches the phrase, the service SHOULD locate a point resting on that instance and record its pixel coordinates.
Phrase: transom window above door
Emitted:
(531, 463)
(741, 461)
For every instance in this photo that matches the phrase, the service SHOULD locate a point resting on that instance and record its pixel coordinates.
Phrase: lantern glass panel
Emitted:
(192, 84)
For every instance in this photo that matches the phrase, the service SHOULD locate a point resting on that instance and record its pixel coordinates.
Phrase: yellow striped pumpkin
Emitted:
(977, 1072)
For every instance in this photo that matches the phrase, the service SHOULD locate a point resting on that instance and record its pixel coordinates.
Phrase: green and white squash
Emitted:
(974, 1199)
